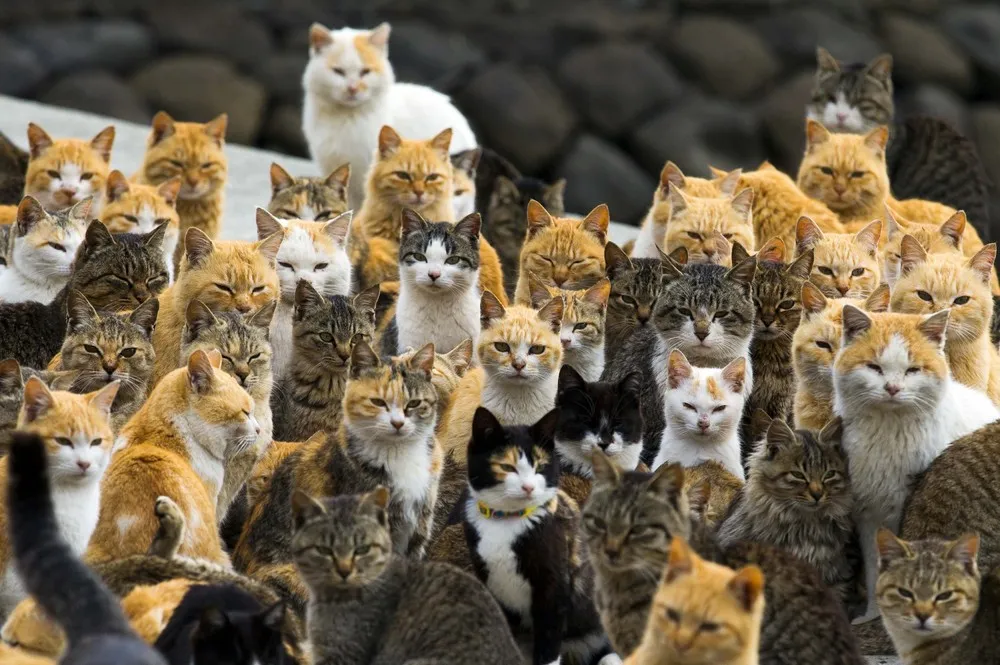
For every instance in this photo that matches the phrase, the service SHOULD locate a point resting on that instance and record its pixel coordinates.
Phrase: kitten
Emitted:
(844, 265)
(703, 613)
(351, 91)
(522, 549)
(431, 612)
(702, 408)
(694, 221)
(134, 208)
(77, 438)
(113, 273)
(464, 166)
(308, 198)
(42, 249)
(312, 251)
(582, 332)
(943, 239)
(324, 331)
(64, 172)
(892, 385)
(798, 497)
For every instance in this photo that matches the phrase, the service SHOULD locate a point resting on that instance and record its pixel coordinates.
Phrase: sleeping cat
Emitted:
(582, 332)
(844, 265)
(133, 208)
(309, 198)
(694, 222)
(64, 172)
(464, 165)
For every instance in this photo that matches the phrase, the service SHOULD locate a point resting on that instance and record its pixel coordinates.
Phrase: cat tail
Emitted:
(67, 589)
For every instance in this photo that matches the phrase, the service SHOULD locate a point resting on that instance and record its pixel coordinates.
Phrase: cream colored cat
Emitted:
(694, 222)
(844, 265)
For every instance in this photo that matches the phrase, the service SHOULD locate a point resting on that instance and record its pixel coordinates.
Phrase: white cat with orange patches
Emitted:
(351, 92)
(134, 208)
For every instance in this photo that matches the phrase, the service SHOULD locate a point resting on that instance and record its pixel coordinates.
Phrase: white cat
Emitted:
(900, 410)
(702, 410)
(312, 251)
(351, 92)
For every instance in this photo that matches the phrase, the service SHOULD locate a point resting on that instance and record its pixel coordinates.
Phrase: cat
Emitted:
(702, 408)
(702, 613)
(64, 172)
(42, 249)
(351, 91)
(308, 198)
(96, 629)
(13, 166)
(174, 446)
(582, 332)
(892, 385)
(133, 208)
(522, 549)
(463, 167)
(224, 275)
(562, 252)
(943, 239)
(312, 251)
(112, 272)
(694, 222)
(844, 265)
(935, 604)
(324, 331)
(420, 611)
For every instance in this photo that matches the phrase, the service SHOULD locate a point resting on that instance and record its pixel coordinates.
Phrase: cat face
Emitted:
(927, 590)
(695, 221)
(76, 429)
(946, 239)
(240, 637)
(45, 244)
(312, 251)
(132, 208)
(325, 330)
(701, 401)
(448, 370)
(347, 66)
(671, 177)
(583, 314)
(463, 173)
(597, 415)
(63, 172)
(341, 543)
(565, 253)
(191, 151)
(439, 257)
(512, 468)
(410, 173)
(636, 286)
(218, 400)
(518, 344)
(851, 98)
(845, 171)
(777, 287)
(229, 275)
(309, 199)
(843, 265)
(509, 199)
(120, 272)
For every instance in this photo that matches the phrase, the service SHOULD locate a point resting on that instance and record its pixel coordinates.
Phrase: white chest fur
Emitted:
(408, 466)
(423, 317)
(690, 449)
(520, 403)
(281, 340)
(206, 446)
(16, 287)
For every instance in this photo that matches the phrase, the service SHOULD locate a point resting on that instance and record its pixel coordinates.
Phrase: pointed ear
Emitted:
(816, 134)
(935, 326)
(760, 421)
(169, 190)
(338, 227)
(680, 561)
(485, 426)
(379, 497)
(868, 237)
(10, 376)
(807, 234)
(743, 272)
(29, 213)
(379, 37)
(598, 293)
(878, 301)
(363, 357)
(80, 313)
(200, 372)
(319, 37)
(490, 309)
(38, 140)
(813, 300)
(679, 256)
(197, 246)
(339, 179)
(97, 236)
(280, 178)
(461, 357)
(890, 548)
(596, 222)
(877, 139)
(103, 142)
(412, 222)
(669, 268)
(855, 323)
(305, 508)
(388, 142)
(826, 62)
(552, 313)
(554, 192)
(892, 225)
(467, 160)
(606, 470)
(144, 316)
(216, 128)
(267, 224)
(615, 260)
(742, 203)
(81, 209)
(163, 127)
(538, 218)
(538, 292)
(667, 481)
(802, 266)
(780, 434)
(678, 201)
(569, 379)
(679, 369)
(832, 431)
(117, 186)
(964, 551)
(269, 246)
(982, 262)
(881, 67)
(773, 250)
(954, 228)
(367, 300)
(738, 254)
(469, 227)
(37, 400)
(911, 253)
(262, 317)
(672, 175)
(442, 143)
(306, 298)
(103, 399)
(423, 360)
(735, 374)
(728, 182)
(747, 586)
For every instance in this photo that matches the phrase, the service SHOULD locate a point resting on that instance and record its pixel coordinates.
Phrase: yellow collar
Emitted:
(493, 514)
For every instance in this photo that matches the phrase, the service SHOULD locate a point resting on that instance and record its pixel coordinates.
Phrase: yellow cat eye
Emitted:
(63, 441)
(509, 468)
(53, 174)
(536, 349)
(501, 347)
(326, 337)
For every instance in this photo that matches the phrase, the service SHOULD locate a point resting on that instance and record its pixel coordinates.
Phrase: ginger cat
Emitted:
(225, 275)
(695, 221)
(134, 208)
(703, 613)
(946, 238)
(63, 172)
(844, 265)
(174, 447)
(562, 252)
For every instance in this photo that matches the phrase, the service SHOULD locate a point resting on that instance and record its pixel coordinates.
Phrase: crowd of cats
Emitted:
(430, 417)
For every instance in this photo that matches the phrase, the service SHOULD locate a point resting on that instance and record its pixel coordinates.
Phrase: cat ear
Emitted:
(667, 481)
(539, 293)
(598, 293)
(911, 254)
(552, 313)
(467, 161)
(118, 185)
(267, 224)
(954, 228)
(630, 387)
(739, 253)
(423, 360)
(388, 142)
(319, 37)
(679, 255)
(153, 241)
(162, 127)
(735, 374)
(280, 178)
(553, 194)
(262, 317)
(881, 67)
(544, 431)
(10, 376)
(469, 227)
(38, 140)
(868, 237)
(273, 618)
(269, 246)
(877, 139)
(780, 434)
(964, 551)
(807, 234)
(728, 182)
(855, 323)
(671, 175)
(144, 316)
(878, 301)
(816, 134)
(679, 369)
(37, 400)
(760, 422)
(802, 266)
(773, 250)
(490, 309)
(569, 379)
(338, 227)
(379, 37)
(505, 190)
(680, 561)
(935, 326)
(103, 142)
(538, 218)
(201, 371)
(615, 260)
(461, 357)
(367, 300)
(485, 427)
(197, 246)
(169, 190)
(198, 317)
(606, 470)
(29, 213)
(826, 62)
(80, 313)
(305, 508)
(890, 548)
(678, 202)
(892, 225)
(216, 128)
(379, 497)
(813, 300)
(670, 269)
(81, 210)
(363, 357)
(339, 179)
(766, 166)
(442, 143)
(742, 203)
(747, 586)
(832, 431)
(743, 272)
(102, 399)
(982, 262)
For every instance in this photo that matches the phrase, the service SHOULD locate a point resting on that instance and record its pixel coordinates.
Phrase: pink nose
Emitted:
(528, 489)
(841, 117)
(433, 274)
(566, 343)
(892, 389)
(83, 465)
(398, 424)
(703, 424)
(518, 365)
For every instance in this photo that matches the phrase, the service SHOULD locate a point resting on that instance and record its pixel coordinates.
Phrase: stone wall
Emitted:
(601, 93)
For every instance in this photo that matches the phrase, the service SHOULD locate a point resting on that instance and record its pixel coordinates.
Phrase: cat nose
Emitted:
(397, 423)
(767, 320)
(703, 425)
(843, 288)
(109, 368)
(83, 465)
(922, 618)
(433, 274)
(701, 334)
(603, 445)
(892, 389)
(343, 568)
(643, 314)
(565, 342)
(839, 187)
(242, 375)
(528, 488)
(841, 116)
(816, 492)
(518, 364)
(344, 355)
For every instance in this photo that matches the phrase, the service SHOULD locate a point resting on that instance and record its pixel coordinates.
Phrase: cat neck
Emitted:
(587, 360)
(920, 650)
(316, 385)
(383, 219)
(678, 444)
(520, 402)
(399, 456)
(204, 213)
(206, 446)
(445, 317)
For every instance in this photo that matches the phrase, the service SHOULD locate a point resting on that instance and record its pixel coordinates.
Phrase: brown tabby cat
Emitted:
(308, 198)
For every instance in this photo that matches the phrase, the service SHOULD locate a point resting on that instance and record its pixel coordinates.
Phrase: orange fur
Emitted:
(47, 154)
(844, 265)
(694, 223)
(149, 608)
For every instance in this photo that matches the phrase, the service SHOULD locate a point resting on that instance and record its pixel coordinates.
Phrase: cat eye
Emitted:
(321, 266)
(324, 215)
(595, 523)
(826, 170)
(727, 236)
(174, 162)
(326, 337)
(362, 550)
(63, 441)
(628, 300)
(824, 345)
(359, 337)
(96, 442)
(830, 476)
(431, 177)
(378, 402)
(56, 246)
(693, 235)
(719, 409)
(912, 370)
(689, 406)
(128, 352)
(961, 300)
(54, 174)
(90, 348)
(857, 272)
(225, 288)
(417, 256)
(579, 326)
(259, 289)
(943, 596)
(338, 71)
(905, 593)
(673, 615)
(86, 176)
(291, 214)
(458, 192)
(253, 357)
(413, 403)
(823, 270)
(508, 468)
(708, 627)
(536, 349)
(683, 311)
(452, 260)
(857, 174)
(786, 304)
(132, 219)
(402, 175)
(366, 71)
(501, 347)
(873, 367)
(286, 264)
(795, 477)
(721, 315)
(228, 360)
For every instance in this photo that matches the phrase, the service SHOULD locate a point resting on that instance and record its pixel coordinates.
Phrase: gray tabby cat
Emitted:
(370, 606)
(308, 198)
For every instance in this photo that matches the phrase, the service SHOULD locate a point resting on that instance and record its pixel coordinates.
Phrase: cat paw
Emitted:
(168, 511)
(870, 615)
(610, 659)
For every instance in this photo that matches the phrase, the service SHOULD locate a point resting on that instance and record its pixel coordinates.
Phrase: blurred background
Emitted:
(598, 92)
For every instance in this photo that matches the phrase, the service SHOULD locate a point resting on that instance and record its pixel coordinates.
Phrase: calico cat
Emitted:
(351, 91)
(562, 252)
(309, 198)
(702, 613)
(64, 172)
(133, 208)
(694, 222)
(892, 385)
(112, 272)
(463, 170)
(42, 249)
(844, 265)
(324, 331)
(522, 549)
(582, 332)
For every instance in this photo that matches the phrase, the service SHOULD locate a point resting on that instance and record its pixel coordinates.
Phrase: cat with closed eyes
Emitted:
(310, 199)
(844, 265)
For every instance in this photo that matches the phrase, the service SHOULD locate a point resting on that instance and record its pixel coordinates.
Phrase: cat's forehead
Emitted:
(303, 241)
(566, 239)
(706, 215)
(351, 48)
(943, 274)
(128, 256)
(416, 157)
(66, 152)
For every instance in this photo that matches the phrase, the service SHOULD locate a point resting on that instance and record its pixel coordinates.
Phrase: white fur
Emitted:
(715, 351)
(464, 204)
(521, 401)
(576, 455)
(206, 444)
(651, 236)
(840, 116)
(39, 273)
(70, 179)
(586, 359)
(340, 128)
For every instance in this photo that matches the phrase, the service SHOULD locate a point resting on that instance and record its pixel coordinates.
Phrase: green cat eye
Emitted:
(413, 403)
(580, 326)
(508, 468)
(501, 347)
(363, 550)
(452, 260)
(326, 337)
(96, 442)
(431, 177)
(63, 441)
(417, 256)
(786, 304)
(536, 349)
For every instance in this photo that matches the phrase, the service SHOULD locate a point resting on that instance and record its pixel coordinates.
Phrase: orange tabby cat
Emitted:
(174, 447)
(694, 222)
(62, 172)
(946, 238)
(562, 252)
(844, 265)
(133, 208)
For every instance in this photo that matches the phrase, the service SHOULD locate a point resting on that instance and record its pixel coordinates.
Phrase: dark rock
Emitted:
(976, 30)
(785, 120)
(209, 27)
(98, 92)
(283, 131)
(21, 71)
(723, 56)
(598, 172)
(986, 130)
(933, 100)
(423, 54)
(614, 84)
(795, 34)
(281, 74)
(117, 45)
(698, 133)
(921, 53)
(519, 113)
(198, 88)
